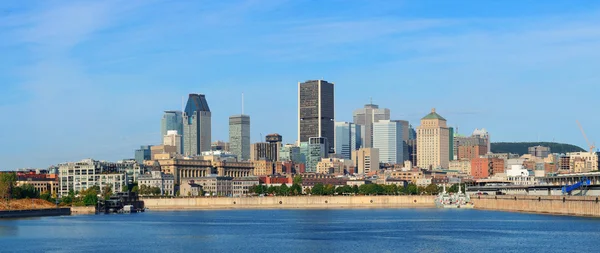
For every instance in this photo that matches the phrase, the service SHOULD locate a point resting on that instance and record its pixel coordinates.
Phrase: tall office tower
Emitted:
(366, 117)
(196, 126)
(315, 111)
(433, 142)
(412, 134)
(173, 138)
(172, 120)
(388, 139)
(347, 138)
(268, 150)
(239, 136)
(274, 141)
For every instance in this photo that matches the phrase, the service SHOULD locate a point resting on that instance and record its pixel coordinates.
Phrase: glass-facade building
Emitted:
(196, 126)
(387, 137)
(142, 154)
(172, 121)
(239, 136)
(347, 139)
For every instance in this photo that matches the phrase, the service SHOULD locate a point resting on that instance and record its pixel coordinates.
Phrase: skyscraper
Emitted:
(389, 140)
(196, 126)
(347, 138)
(433, 142)
(316, 111)
(366, 117)
(268, 150)
(172, 121)
(239, 136)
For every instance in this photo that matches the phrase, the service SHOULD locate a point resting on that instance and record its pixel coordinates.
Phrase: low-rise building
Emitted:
(241, 186)
(41, 184)
(157, 178)
(464, 166)
(215, 185)
(486, 167)
(79, 176)
(263, 167)
(190, 189)
(411, 175)
(334, 166)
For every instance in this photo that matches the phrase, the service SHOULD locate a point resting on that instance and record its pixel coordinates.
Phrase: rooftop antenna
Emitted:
(371, 100)
(242, 103)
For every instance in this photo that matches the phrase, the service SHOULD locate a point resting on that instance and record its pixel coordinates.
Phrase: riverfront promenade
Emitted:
(297, 202)
(558, 205)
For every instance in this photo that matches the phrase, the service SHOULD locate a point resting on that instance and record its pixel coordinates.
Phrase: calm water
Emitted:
(402, 230)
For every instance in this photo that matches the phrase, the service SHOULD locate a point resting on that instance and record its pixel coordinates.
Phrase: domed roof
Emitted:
(434, 115)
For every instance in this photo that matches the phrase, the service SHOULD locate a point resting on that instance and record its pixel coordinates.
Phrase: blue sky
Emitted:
(91, 78)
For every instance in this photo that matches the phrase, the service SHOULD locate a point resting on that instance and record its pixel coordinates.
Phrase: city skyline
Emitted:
(106, 105)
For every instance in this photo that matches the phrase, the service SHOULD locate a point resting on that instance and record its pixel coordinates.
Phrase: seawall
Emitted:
(77, 210)
(298, 202)
(35, 213)
(558, 205)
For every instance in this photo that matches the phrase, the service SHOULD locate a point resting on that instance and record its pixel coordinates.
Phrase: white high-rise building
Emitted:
(239, 136)
(173, 138)
(388, 139)
(347, 138)
(366, 117)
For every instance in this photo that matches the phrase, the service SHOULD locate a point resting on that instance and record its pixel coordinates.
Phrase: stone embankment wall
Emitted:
(77, 210)
(559, 205)
(35, 213)
(300, 202)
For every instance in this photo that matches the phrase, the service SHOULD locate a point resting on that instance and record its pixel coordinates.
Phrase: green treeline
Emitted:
(522, 148)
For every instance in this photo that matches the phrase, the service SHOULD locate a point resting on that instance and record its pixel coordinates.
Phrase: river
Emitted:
(364, 230)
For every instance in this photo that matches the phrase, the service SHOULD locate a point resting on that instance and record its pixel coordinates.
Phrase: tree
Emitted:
(453, 188)
(155, 191)
(308, 191)
(318, 189)
(90, 199)
(284, 190)
(298, 179)
(7, 183)
(67, 200)
(125, 188)
(355, 189)
(296, 189)
(432, 189)
(46, 196)
(329, 190)
(412, 189)
(271, 190)
(107, 191)
(135, 189)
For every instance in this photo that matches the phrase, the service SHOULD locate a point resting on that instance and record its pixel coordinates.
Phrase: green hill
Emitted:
(521, 148)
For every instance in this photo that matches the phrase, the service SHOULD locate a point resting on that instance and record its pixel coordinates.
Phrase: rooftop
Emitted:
(434, 115)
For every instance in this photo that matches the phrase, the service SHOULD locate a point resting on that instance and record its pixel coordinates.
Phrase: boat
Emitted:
(453, 200)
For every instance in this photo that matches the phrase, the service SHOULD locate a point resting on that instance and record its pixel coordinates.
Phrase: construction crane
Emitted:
(590, 144)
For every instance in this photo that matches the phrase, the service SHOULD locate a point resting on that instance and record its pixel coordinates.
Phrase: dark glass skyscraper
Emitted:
(316, 111)
(196, 126)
